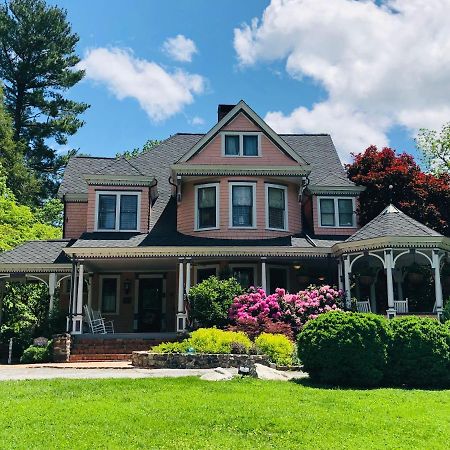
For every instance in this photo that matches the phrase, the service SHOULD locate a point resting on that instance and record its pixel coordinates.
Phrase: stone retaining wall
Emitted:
(195, 360)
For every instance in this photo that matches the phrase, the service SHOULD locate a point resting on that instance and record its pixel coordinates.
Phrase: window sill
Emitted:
(241, 228)
(276, 229)
(115, 231)
(206, 229)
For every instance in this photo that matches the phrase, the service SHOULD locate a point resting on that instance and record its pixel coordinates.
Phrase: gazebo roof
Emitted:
(392, 222)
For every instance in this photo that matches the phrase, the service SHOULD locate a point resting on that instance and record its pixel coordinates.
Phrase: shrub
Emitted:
(208, 340)
(419, 354)
(253, 330)
(210, 300)
(446, 312)
(37, 354)
(277, 347)
(345, 348)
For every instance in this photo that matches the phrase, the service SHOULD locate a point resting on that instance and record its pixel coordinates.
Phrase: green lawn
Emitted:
(190, 413)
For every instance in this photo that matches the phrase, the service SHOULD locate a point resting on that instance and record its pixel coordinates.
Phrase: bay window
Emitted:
(241, 144)
(276, 207)
(336, 212)
(242, 205)
(117, 211)
(207, 206)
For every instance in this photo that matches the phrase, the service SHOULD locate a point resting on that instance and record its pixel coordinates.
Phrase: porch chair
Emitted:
(401, 306)
(96, 322)
(363, 306)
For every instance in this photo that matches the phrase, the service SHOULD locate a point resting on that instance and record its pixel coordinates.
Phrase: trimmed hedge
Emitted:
(37, 354)
(345, 348)
(419, 353)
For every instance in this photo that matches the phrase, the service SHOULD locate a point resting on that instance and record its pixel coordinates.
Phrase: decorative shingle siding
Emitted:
(186, 211)
(271, 155)
(75, 219)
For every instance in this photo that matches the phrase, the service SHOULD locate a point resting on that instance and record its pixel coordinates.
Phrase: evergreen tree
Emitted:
(38, 65)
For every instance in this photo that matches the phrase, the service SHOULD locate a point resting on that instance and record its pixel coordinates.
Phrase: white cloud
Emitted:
(160, 93)
(381, 65)
(196, 120)
(180, 48)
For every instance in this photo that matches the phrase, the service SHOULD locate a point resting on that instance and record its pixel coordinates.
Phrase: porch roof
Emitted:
(36, 256)
(393, 222)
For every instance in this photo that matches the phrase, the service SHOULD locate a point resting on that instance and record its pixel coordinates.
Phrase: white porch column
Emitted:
(73, 295)
(89, 297)
(188, 276)
(437, 283)
(348, 294)
(181, 315)
(77, 319)
(51, 290)
(2, 293)
(340, 283)
(389, 263)
(263, 274)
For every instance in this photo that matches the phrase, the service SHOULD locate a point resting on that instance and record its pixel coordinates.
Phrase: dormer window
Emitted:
(337, 212)
(117, 211)
(241, 144)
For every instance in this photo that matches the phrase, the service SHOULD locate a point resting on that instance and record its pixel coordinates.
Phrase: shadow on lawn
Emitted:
(307, 382)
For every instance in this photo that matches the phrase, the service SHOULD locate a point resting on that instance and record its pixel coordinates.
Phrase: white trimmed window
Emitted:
(242, 205)
(109, 294)
(117, 211)
(202, 273)
(241, 144)
(207, 206)
(336, 212)
(276, 207)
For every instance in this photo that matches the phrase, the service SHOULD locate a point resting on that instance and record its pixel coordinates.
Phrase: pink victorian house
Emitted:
(273, 210)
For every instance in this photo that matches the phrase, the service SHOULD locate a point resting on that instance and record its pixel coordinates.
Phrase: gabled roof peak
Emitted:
(391, 209)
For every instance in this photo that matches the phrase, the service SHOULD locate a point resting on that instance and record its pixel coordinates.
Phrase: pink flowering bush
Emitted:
(256, 310)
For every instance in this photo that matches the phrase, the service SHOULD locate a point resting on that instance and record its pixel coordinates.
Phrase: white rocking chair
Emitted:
(401, 306)
(363, 307)
(97, 323)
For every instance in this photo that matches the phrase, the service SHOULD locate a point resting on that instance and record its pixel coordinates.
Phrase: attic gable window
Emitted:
(241, 144)
(117, 211)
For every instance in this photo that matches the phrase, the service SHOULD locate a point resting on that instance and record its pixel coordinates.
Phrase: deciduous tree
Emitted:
(435, 148)
(423, 196)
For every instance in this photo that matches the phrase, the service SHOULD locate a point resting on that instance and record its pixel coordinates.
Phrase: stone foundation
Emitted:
(196, 360)
(61, 347)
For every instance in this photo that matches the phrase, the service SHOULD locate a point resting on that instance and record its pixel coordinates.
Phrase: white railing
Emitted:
(401, 306)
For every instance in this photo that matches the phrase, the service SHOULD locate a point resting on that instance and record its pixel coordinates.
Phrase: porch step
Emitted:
(100, 357)
(108, 346)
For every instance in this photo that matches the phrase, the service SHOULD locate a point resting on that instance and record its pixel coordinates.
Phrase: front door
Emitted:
(150, 304)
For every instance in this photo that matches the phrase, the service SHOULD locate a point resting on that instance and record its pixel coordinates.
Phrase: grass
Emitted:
(187, 413)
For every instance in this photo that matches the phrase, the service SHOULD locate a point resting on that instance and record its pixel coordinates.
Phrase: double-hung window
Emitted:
(242, 205)
(337, 212)
(276, 207)
(117, 211)
(207, 206)
(241, 144)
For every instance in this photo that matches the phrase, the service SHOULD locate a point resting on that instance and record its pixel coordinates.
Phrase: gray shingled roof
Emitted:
(73, 181)
(120, 166)
(37, 252)
(392, 222)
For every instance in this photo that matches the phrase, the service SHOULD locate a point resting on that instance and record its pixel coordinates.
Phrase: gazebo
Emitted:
(394, 265)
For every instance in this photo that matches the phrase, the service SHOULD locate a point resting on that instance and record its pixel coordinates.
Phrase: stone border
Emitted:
(150, 360)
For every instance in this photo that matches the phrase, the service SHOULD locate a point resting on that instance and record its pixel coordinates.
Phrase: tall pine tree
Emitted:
(37, 66)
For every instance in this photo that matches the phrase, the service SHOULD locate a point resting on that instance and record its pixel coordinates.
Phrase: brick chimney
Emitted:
(223, 110)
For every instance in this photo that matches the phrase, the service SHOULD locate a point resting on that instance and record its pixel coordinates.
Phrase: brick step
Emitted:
(101, 357)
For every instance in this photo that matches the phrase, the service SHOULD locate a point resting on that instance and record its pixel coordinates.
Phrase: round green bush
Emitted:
(419, 353)
(345, 348)
(35, 354)
(277, 347)
(210, 300)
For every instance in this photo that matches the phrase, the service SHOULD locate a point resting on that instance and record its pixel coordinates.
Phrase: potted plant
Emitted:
(366, 275)
(416, 273)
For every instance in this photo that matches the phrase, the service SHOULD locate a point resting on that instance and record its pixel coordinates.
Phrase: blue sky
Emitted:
(272, 65)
